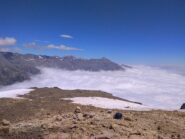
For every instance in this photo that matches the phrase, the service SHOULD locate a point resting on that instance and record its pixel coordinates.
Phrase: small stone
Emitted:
(102, 137)
(48, 113)
(73, 126)
(138, 133)
(88, 115)
(42, 110)
(111, 126)
(78, 110)
(127, 119)
(74, 122)
(80, 116)
(83, 129)
(92, 123)
(118, 115)
(98, 118)
(91, 116)
(4, 130)
(43, 126)
(109, 111)
(58, 118)
(5, 122)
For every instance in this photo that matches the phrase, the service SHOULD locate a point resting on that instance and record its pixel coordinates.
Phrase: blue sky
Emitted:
(126, 31)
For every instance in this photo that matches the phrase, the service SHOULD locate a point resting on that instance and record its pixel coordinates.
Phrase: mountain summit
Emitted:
(15, 67)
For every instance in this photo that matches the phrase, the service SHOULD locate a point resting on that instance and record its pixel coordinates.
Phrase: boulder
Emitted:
(118, 115)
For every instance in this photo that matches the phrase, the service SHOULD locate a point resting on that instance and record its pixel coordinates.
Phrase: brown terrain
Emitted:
(43, 114)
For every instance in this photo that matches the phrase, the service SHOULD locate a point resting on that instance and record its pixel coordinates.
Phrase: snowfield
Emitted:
(108, 103)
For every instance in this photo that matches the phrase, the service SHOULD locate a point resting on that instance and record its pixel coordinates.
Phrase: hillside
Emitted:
(45, 114)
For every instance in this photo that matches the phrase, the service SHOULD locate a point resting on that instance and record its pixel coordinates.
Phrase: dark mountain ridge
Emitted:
(15, 67)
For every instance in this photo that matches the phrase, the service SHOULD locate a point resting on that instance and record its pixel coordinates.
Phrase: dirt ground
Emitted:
(43, 114)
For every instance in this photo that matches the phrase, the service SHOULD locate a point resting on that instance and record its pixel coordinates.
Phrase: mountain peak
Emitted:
(19, 67)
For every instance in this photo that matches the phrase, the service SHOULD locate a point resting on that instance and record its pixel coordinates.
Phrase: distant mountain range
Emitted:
(15, 67)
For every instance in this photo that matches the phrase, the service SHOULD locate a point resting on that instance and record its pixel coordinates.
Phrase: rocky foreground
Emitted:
(44, 113)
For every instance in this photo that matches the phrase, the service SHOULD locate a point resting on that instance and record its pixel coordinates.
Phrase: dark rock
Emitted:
(183, 106)
(118, 115)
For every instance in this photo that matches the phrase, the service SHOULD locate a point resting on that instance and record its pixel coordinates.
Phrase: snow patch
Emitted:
(13, 93)
(29, 59)
(108, 103)
(40, 57)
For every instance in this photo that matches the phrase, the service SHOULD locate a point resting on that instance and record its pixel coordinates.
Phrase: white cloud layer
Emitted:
(66, 36)
(31, 45)
(151, 86)
(63, 47)
(15, 49)
(7, 41)
(35, 46)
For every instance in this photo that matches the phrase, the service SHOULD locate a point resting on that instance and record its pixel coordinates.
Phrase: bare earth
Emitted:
(43, 114)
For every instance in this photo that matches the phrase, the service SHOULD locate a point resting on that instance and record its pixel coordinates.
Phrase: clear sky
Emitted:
(126, 31)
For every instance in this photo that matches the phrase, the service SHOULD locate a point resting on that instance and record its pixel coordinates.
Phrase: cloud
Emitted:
(139, 84)
(41, 41)
(7, 41)
(35, 46)
(63, 47)
(16, 49)
(66, 36)
(31, 45)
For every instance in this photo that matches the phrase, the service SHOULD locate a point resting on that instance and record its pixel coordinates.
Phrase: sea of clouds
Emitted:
(153, 86)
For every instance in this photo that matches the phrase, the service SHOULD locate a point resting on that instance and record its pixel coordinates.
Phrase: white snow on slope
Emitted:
(13, 93)
(108, 103)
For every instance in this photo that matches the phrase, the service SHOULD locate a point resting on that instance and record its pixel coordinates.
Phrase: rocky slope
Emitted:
(44, 114)
(16, 67)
